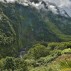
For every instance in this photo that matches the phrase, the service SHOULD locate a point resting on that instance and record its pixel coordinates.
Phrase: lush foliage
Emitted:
(52, 57)
(37, 51)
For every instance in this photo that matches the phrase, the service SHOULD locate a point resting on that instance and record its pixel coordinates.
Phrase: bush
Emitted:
(47, 59)
(38, 51)
(66, 51)
(52, 45)
(30, 62)
(9, 63)
(60, 45)
(56, 52)
(21, 65)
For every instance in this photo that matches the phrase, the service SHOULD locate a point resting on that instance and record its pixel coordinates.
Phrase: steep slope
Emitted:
(21, 27)
(7, 35)
(24, 26)
(59, 25)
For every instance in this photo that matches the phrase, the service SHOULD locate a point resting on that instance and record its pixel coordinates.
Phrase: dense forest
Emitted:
(32, 40)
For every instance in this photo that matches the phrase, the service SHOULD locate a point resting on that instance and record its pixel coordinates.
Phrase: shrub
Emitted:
(52, 45)
(9, 63)
(21, 65)
(66, 51)
(56, 52)
(47, 59)
(30, 62)
(38, 51)
(60, 45)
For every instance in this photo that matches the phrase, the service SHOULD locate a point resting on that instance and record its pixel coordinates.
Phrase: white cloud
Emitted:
(10, 0)
(36, 4)
(64, 3)
(53, 9)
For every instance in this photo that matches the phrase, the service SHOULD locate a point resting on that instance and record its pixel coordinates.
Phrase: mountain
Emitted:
(62, 7)
(35, 35)
(23, 26)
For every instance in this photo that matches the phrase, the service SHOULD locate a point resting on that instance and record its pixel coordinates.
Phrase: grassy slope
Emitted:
(55, 30)
(55, 65)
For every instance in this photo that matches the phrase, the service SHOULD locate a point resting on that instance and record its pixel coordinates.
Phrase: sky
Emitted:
(8, 0)
(58, 2)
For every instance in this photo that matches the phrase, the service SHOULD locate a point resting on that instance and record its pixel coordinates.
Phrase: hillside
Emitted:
(33, 40)
(50, 57)
(24, 26)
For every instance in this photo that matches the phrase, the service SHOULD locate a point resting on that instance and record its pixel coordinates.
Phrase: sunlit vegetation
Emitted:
(53, 57)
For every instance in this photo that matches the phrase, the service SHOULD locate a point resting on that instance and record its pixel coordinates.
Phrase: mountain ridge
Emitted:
(62, 7)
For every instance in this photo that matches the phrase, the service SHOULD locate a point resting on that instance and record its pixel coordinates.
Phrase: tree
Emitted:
(38, 51)
(21, 64)
(9, 64)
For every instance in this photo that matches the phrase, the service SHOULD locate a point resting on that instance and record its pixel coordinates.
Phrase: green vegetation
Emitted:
(53, 57)
(9, 64)
(29, 42)
(22, 27)
(38, 51)
(13, 64)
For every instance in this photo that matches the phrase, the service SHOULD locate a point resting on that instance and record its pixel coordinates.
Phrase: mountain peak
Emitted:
(62, 7)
